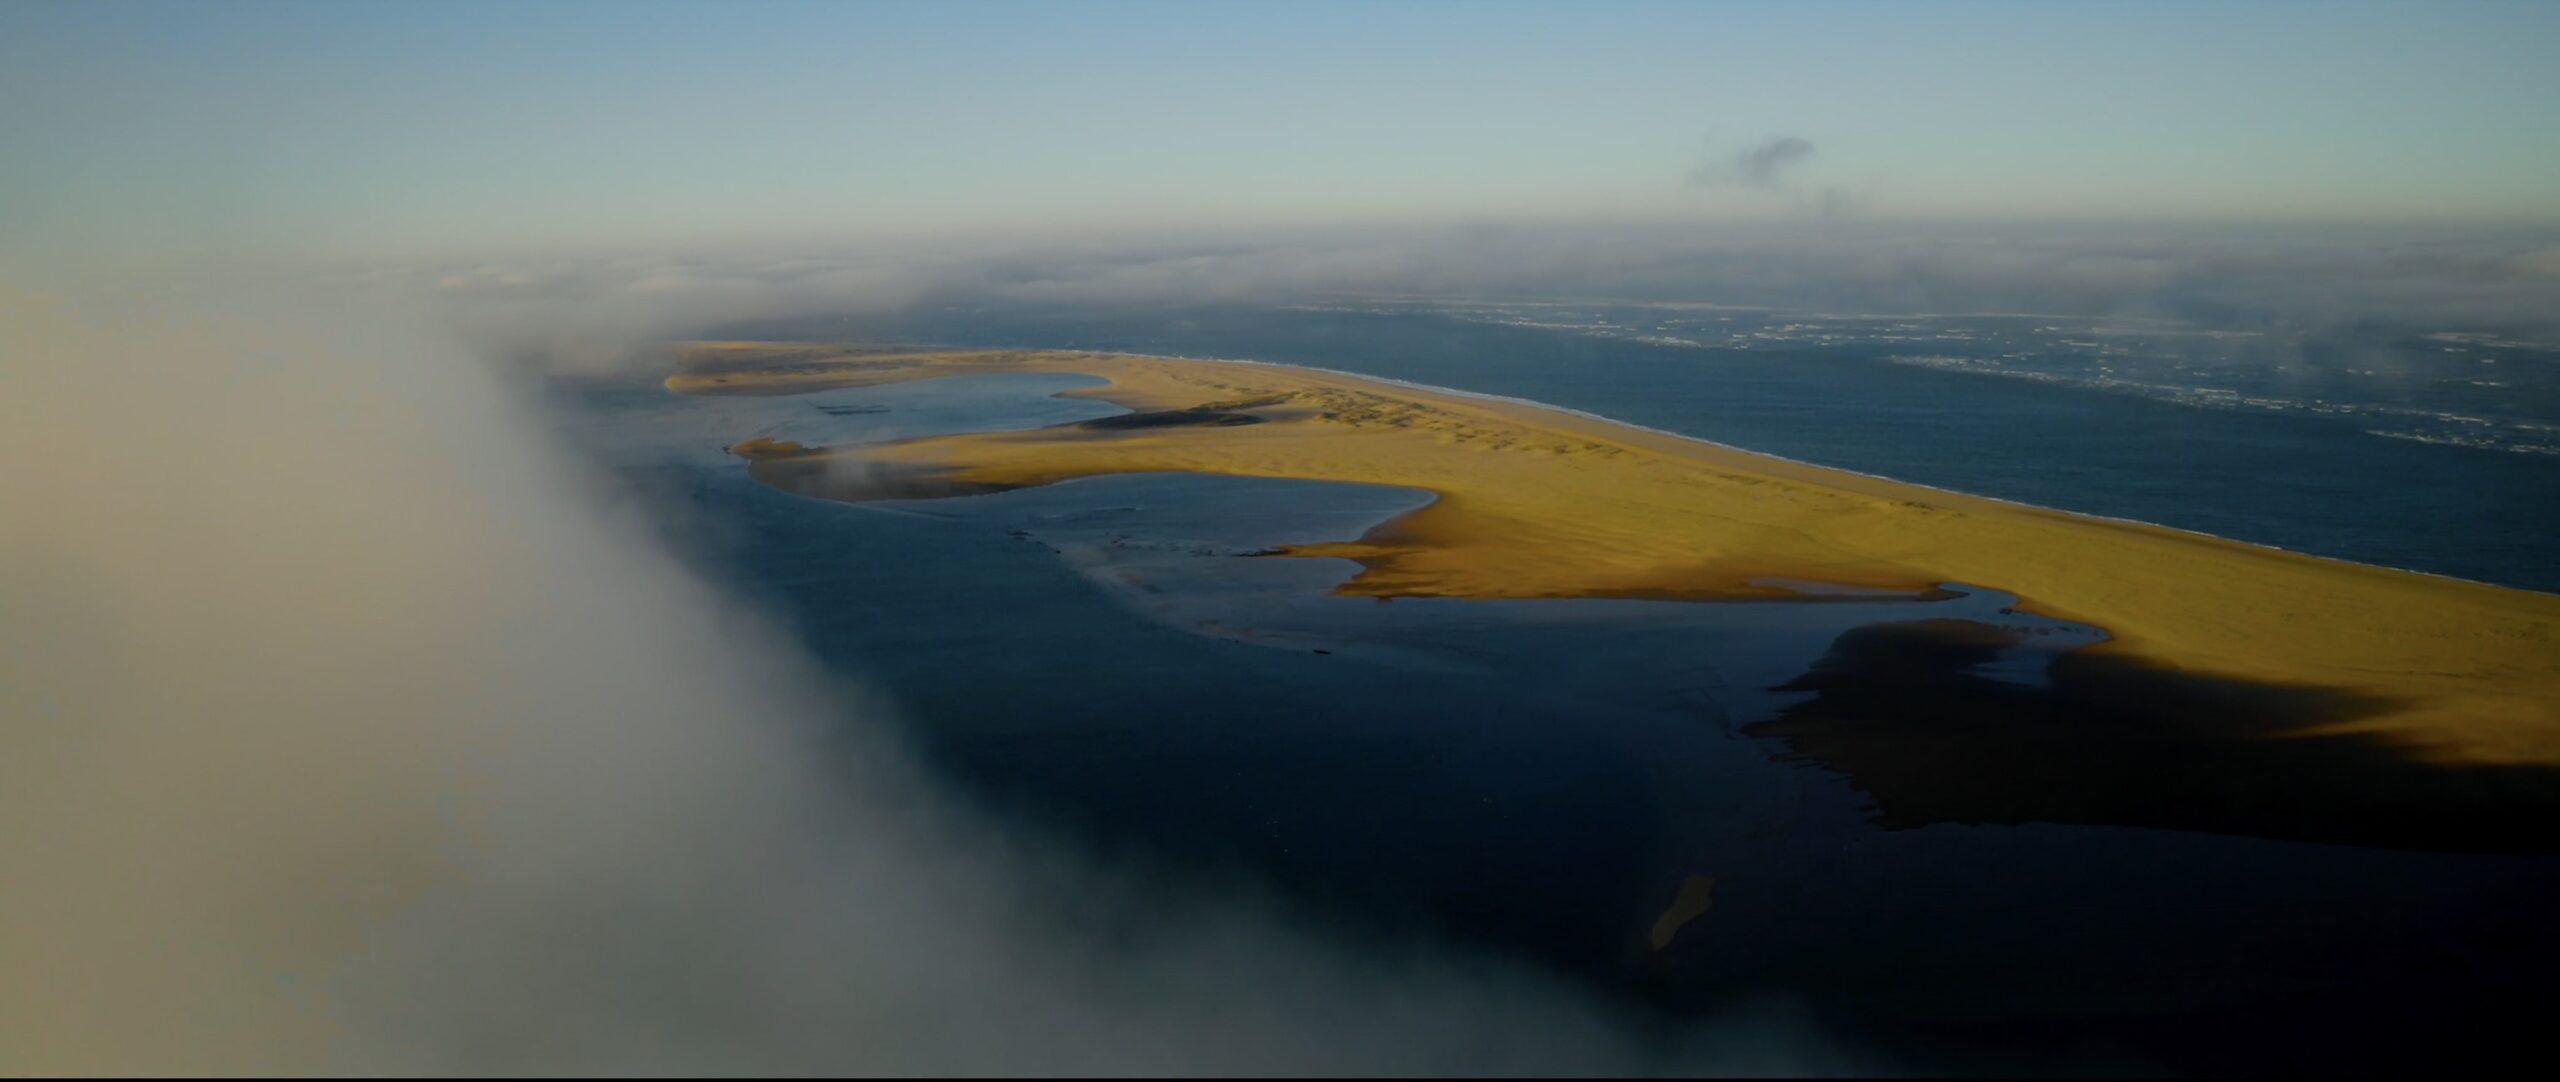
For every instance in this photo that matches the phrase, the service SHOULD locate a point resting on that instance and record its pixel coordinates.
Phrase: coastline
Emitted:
(1541, 501)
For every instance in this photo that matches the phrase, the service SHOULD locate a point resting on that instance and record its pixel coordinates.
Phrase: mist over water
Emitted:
(347, 728)
(2239, 278)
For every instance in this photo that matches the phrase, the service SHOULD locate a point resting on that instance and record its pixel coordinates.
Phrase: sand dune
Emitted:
(1537, 502)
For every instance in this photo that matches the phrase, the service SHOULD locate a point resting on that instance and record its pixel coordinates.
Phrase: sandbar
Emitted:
(1541, 502)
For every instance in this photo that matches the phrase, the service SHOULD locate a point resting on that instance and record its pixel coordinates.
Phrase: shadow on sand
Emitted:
(1904, 711)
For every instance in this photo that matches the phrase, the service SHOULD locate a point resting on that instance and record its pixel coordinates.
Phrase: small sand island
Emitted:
(1539, 502)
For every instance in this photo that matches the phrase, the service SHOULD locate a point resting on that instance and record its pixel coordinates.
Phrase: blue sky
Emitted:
(382, 126)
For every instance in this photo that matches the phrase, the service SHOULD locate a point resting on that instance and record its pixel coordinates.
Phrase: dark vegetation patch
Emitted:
(1902, 709)
(1190, 418)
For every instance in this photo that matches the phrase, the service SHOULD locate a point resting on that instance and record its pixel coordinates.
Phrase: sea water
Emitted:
(1105, 661)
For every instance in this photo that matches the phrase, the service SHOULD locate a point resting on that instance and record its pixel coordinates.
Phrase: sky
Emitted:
(341, 129)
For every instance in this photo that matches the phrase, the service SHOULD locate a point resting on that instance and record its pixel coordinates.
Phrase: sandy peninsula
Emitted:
(1538, 502)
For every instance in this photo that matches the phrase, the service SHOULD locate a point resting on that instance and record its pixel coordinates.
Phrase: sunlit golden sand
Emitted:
(1537, 502)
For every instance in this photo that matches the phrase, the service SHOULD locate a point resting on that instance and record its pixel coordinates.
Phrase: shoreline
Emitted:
(1536, 500)
(1487, 396)
(1515, 400)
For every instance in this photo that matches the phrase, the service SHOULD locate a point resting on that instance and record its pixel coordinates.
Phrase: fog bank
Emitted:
(2294, 279)
(343, 729)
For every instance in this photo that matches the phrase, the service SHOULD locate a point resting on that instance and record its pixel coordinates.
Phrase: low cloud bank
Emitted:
(2300, 279)
(341, 729)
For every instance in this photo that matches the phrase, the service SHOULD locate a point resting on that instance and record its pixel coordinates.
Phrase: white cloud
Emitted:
(341, 730)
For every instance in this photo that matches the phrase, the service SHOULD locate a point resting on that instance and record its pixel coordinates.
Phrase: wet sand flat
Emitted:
(1539, 502)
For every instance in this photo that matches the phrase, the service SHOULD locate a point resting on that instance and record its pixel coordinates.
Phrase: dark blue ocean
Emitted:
(1104, 663)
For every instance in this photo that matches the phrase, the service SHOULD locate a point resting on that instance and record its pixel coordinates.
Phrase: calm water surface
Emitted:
(1106, 657)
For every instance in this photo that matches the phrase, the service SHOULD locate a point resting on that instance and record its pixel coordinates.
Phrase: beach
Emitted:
(1540, 502)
